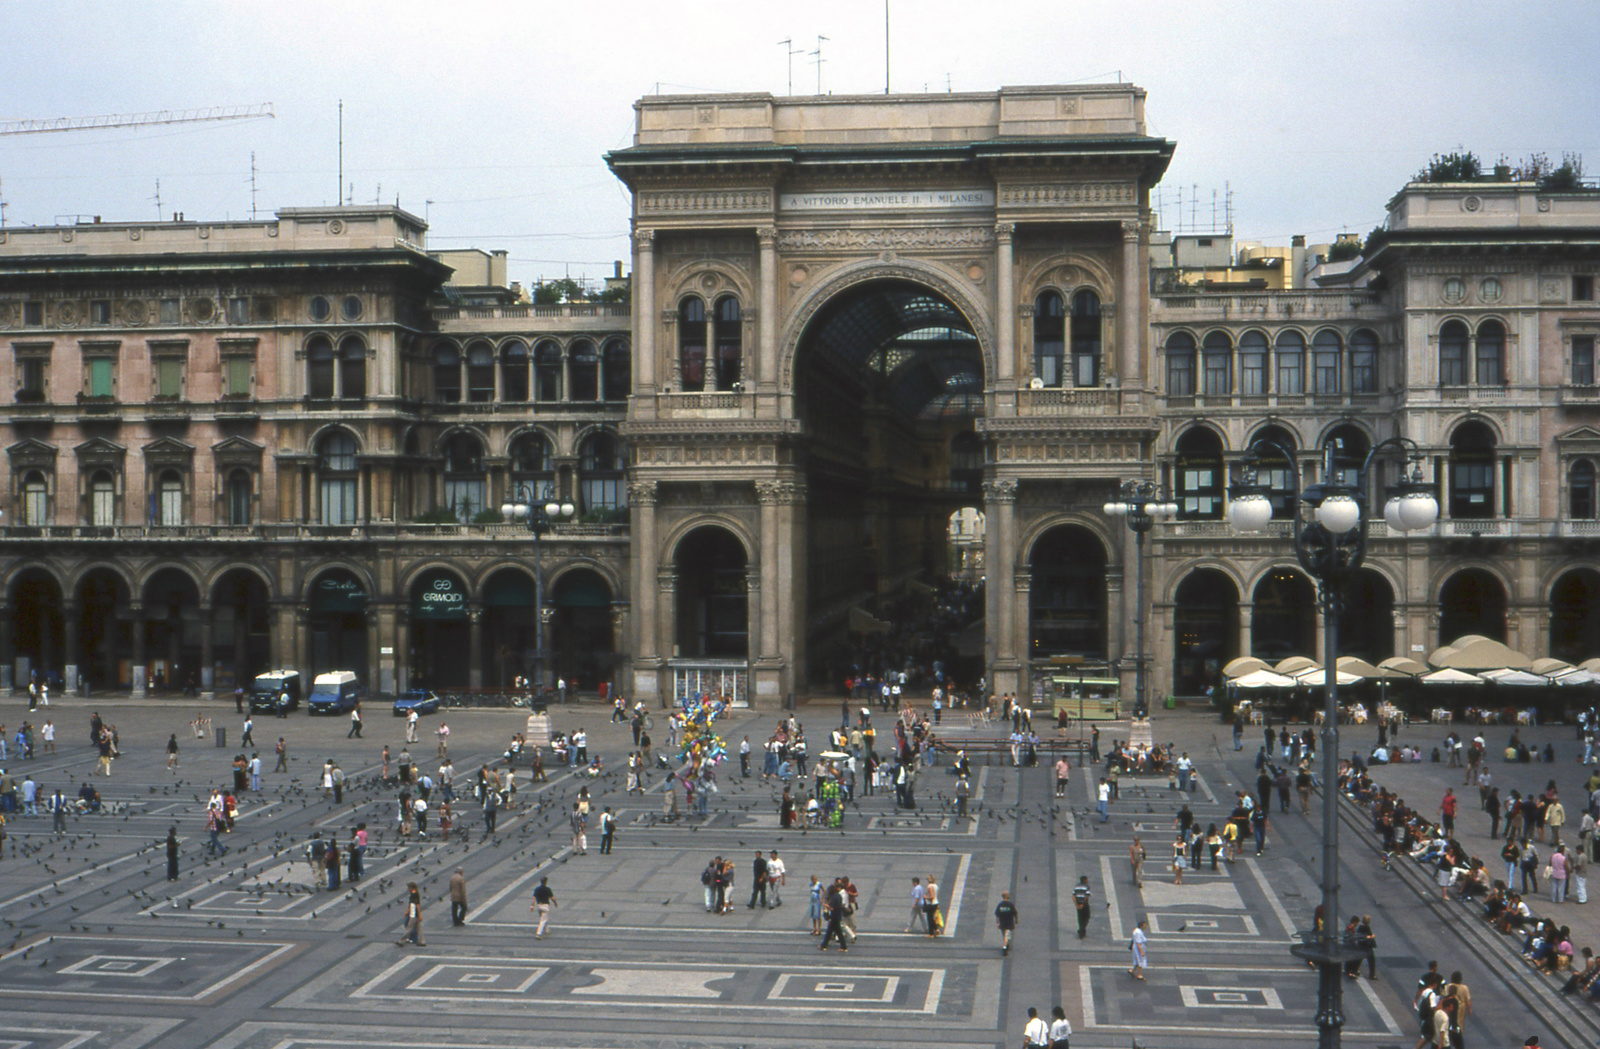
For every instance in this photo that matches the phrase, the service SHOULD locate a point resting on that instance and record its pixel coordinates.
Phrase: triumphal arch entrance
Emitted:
(855, 317)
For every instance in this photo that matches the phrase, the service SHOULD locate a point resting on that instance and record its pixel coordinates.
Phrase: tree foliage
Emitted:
(1451, 167)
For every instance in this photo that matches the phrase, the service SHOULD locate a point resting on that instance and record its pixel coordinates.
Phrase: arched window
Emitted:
(1274, 470)
(169, 499)
(1180, 364)
(35, 500)
(692, 345)
(238, 496)
(1218, 354)
(1049, 337)
(730, 343)
(1491, 354)
(319, 368)
(446, 373)
(1291, 353)
(530, 461)
(352, 368)
(465, 484)
(102, 499)
(1086, 338)
(514, 372)
(336, 477)
(1581, 501)
(480, 373)
(584, 371)
(618, 371)
(1199, 475)
(1472, 472)
(1347, 449)
(600, 468)
(1253, 364)
(547, 371)
(1364, 362)
(1326, 349)
(1453, 354)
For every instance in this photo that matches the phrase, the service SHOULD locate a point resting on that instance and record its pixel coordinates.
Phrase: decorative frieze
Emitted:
(700, 201)
(1058, 194)
(783, 493)
(1080, 451)
(705, 454)
(883, 239)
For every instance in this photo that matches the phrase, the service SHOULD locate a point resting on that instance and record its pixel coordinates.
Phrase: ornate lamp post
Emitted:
(1139, 503)
(540, 513)
(1330, 541)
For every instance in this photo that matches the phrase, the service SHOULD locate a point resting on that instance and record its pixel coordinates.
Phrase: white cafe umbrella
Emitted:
(1450, 677)
(1517, 678)
(1263, 679)
(1319, 678)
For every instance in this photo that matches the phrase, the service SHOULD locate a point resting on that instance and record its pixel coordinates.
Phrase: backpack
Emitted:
(705, 877)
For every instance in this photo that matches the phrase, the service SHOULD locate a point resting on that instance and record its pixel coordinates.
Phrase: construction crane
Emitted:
(118, 120)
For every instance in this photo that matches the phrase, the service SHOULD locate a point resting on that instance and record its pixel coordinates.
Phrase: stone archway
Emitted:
(1205, 623)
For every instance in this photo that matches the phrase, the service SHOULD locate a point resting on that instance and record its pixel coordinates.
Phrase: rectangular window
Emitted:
(339, 501)
(1363, 370)
(1472, 490)
(99, 311)
(169, 311)
(1583, 360)
(169, 376)
(171, 504)
(1253, 373)
(238, 310)
(33, 314)
(604, 493)
(465, 497)
(102, 505)
(1583, 287)
(1180, 375)
(102, 375)
(1289, 379)
(1201, 497)
(236, 376)
(1327, 365)
(31, 373)
(35, 504)
(1217, 378)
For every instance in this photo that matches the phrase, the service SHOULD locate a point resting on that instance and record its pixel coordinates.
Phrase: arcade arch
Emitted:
(1205, 626)
(1067, 596)
(1575, 615)
(712, 606)
(1473, 601)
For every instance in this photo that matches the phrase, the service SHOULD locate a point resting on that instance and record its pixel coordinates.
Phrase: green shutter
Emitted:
(239, 376)
(100, 377)
(169, 377)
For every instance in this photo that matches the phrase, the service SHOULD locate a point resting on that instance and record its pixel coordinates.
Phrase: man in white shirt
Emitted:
(777, 875)
(918, 913)
(1036, 1035)
(411, 725)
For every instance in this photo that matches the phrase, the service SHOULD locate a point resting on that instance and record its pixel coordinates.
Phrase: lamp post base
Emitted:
(1330, 960)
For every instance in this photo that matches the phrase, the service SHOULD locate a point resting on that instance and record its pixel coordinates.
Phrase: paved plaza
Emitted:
(101, 950)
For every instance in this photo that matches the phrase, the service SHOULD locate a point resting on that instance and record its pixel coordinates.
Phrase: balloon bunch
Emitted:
(700, 743)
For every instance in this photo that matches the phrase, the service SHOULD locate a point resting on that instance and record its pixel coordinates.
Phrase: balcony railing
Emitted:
(529, 312)
(297, 533)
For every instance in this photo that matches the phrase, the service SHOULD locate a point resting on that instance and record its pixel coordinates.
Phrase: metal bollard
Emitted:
(222, 737)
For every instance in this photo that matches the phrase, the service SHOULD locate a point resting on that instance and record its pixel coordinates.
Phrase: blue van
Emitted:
(335, 693)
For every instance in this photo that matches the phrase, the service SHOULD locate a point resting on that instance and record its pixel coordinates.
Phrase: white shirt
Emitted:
(48, 732)
(1105, 792)
(1036, 1033)
(775, 869)
(1060, 1031)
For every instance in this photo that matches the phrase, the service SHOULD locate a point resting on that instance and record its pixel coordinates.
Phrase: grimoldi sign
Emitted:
(441, 598)
(887, 200)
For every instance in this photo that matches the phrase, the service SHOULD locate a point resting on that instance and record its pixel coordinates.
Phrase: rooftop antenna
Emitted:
(817, 54)
(886, 46)
(2, 204)
(427, 208)
(338, 196)
(377, 196)
(789, 52)
(252, 185)
(947, 83)
(157, 199)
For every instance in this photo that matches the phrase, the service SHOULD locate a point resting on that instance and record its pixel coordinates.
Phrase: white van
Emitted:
(334, 693)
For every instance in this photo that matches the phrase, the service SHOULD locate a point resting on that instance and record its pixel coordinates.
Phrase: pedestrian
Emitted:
(1080, 900)
(283, 757)
(458, 897)
(172, 752)
(172, 853)
(213, 828)
(544, 898)
(744, 758)
(758, 882)
(248, 740)
(413, 917)
(332, 860)
(963, 794)
(1136, 856)
(835, 904)
(47, 732)
(777, 876)
(1060, 1029)
(1104, 800)
(580, 830)
(930, 904)
(491, 810)
(1005, 918)
(919, 911)
(411, 725)
(355, 723)
(1063, 773)
(1141, 957)
(58, 812)
(1447, 813)
(816, 907)
(1036, 1033)
(355, 852)
(337, 776)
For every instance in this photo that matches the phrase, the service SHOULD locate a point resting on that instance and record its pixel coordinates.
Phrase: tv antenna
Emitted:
(790, 52)
(157, 199)
(339, 195)
(253, 185)
(118, 120)
(817, 54)
(886, 46)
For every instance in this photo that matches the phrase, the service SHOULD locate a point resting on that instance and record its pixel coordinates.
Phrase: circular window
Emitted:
(202, 310)
(351, 307)
(320, 308)
(1455, 289)
(1489, 289)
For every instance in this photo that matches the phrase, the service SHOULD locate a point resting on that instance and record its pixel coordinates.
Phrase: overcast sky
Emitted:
(492, 118)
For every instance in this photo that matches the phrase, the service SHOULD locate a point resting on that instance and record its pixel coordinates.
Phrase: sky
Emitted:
(491, 120)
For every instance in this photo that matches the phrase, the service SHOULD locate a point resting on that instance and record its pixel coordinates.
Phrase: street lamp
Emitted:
(1139, 503)
(540, 512)
(1331, 542)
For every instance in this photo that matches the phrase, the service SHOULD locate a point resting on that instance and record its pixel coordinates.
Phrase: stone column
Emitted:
(1022, 623)
(757, 626)
(1321, 655)
(69, 634)
(402, 649)
(768, 493)
(791, 580)
(642, 557)
(475, 645)
(766, 371)
(1246, 618)
(1117, 616)
(136, 614)
(1130, 366)
(208, 652)
(1005, 314)
(644, 309)
(302, 641)
(1000, 499)
(8, 666)
(665, 626)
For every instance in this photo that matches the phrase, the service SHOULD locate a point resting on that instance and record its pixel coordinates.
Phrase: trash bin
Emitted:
(1172, 702)
(222, 737)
